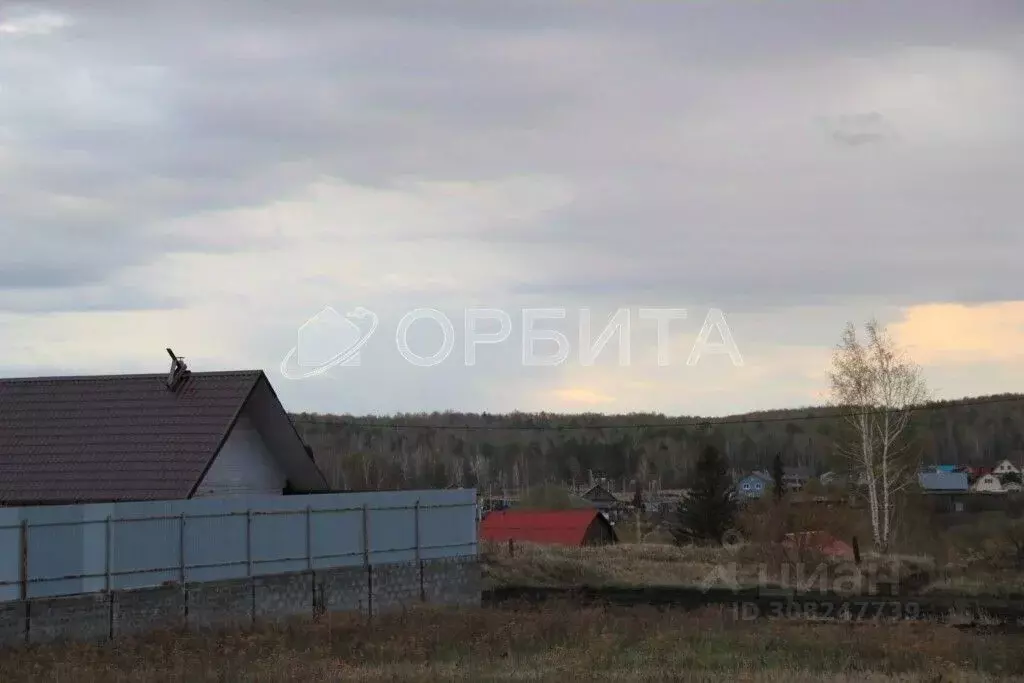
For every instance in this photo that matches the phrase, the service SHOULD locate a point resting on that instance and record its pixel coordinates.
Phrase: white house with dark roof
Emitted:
(1005, 467)
(988, 483)
(170, 436)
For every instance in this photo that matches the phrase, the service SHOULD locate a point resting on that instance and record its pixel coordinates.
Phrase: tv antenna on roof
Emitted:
(179, 371)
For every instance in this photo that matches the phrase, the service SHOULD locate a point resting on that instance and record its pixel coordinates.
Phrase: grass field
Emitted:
(647, 564)
(557, 643)
(623, 564)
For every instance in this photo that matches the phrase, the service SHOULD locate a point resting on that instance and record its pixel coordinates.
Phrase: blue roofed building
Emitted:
(753, 486)
(943, 482)
(946, 490)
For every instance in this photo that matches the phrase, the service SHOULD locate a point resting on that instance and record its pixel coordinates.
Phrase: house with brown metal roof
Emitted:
(173, 436)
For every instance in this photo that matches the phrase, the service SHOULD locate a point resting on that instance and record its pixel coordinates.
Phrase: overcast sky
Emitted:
(210, 175)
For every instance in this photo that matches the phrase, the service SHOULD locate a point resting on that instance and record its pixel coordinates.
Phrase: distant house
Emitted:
(973, 472)
(831, 479)
(1005, 467)
(946, 490)
(988, 483)
(942, 482)
(600, 497)
(556, 527)
(795, 478)
(100, 439)
(753, 485)
(943, 469)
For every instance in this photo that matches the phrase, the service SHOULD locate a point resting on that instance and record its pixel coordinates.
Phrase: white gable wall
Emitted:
(244, 466)
(988, 484)
(1005, 467)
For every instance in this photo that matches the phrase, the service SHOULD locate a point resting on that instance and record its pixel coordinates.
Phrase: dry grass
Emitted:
(979, 581)
(654, 564)
(622, 564)
(558, 643)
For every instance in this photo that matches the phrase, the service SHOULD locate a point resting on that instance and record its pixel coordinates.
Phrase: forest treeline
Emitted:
(510, 451)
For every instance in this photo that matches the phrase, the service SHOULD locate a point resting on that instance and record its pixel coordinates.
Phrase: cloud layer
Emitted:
(209, 177)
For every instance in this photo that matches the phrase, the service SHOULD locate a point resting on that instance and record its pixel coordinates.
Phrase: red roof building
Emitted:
(556, 527)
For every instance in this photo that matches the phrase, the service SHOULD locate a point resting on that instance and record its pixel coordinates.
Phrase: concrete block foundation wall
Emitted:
(241, 603)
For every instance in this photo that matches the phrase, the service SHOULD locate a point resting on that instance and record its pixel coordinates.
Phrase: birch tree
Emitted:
(876, 385)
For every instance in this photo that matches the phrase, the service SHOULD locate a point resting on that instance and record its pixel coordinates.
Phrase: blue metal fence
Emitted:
(66, 550)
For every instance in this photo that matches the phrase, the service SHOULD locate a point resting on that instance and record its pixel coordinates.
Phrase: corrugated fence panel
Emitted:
(392, 536)
(448, 531)
(90, 548)
(144, 552)
(215, 548)
(279, 542)
(337, 538)
(55, 564)
(10, 554)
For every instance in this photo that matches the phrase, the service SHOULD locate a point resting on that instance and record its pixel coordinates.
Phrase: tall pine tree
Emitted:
(709, 509)
(778, 477)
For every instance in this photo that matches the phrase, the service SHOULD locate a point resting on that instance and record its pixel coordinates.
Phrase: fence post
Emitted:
(107, 558)
(248, 566)
(309, 558)
(181, 550)
(23, 579)
(419, 557)
(309, 538)
(23, 564)
(248, 542)
(366, 560)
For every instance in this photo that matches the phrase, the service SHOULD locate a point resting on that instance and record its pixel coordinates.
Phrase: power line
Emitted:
(705, 423)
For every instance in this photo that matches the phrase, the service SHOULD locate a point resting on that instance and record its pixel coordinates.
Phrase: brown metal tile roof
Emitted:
(113, 438)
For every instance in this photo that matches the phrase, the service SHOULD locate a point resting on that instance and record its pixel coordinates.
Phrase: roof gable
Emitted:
(114, 438)
(598, 493)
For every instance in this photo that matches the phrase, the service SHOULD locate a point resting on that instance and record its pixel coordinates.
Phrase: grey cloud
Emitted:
(53, 298)
(860, 129)
(230, 109)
